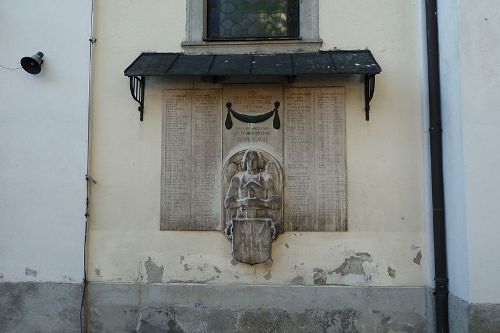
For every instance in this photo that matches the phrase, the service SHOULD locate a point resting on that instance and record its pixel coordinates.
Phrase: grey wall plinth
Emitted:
(40, 307)
(458, 314)
(112, 307)
(473, 318)
(210, 308)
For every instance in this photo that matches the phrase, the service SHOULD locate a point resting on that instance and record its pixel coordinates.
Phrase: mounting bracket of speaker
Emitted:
(137, 88)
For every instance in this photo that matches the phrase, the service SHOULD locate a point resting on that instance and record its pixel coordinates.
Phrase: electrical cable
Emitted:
(88, 178)
(10, 68)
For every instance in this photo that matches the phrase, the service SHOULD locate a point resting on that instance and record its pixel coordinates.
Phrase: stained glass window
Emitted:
(252, 19)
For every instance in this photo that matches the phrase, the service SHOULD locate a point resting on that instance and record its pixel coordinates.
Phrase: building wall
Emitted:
(481, 80)
(453, 154)
(386, 208)
(470, 81)
(43, 162)
(44, 150)
(43, 202)
(44, 141)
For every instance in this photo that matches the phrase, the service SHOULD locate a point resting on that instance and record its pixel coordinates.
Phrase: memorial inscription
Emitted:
(315, 190)
(251, 99)
(191, 160)
(308, 148)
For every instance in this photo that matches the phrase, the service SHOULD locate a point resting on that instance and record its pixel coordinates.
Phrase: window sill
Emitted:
(254, 46)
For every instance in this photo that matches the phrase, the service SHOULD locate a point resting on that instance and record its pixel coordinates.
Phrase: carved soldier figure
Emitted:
(252, 193)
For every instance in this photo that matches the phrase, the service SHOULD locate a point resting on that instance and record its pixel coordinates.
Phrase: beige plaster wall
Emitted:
(385, 244)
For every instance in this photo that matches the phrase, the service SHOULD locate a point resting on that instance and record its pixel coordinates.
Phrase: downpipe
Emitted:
(436, 151)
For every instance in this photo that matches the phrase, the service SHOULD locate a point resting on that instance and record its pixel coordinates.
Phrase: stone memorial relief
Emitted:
(257, 101)
(191, 160)
(315, 170)
(249, 162)
(253, 187)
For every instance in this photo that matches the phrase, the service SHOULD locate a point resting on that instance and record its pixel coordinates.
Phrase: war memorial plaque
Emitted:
(254, 161)
(191, 160)
(315, 192)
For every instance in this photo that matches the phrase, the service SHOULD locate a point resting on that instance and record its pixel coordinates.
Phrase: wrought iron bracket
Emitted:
(138, 85)
(137, 88)
(369, 92)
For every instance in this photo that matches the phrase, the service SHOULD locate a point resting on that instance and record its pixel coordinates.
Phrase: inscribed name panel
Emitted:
(315, 169)
(191, 160)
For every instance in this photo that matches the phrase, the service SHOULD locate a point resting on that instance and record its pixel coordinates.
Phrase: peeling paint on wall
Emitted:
(140, 275)
(391, 272)
(418, 258)
(319, 276)
(67, 278)
(213, 278)
(97, 272)
(298, 280)
(30, 272)
(353, 265)
(154, 273)
(268, 276)
(269, 263)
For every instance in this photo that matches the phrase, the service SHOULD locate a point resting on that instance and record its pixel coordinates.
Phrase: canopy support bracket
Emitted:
(137, 88)
(369, 92)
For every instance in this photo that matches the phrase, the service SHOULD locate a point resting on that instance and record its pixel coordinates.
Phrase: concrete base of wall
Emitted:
(111, 307)
(211, 308)
(40, 307)
(473, 318)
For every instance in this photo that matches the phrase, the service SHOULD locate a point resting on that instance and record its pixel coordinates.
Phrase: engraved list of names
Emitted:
(315, 194)
(191, 160)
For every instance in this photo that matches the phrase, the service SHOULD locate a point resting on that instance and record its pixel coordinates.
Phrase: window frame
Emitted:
(196, 22)
(252, 38)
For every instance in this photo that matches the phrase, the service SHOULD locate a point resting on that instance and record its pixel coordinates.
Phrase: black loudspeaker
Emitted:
(33, 64)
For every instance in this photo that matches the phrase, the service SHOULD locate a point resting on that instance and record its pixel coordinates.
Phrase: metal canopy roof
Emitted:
(289, 65)
(285, 64)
